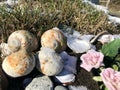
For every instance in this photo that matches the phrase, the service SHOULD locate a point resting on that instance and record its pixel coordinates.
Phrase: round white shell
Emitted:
(50, 63)
(22, 39)
(18, 64)
(78, 45)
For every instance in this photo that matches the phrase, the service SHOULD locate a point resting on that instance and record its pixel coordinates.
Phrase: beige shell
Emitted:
(54, 39)
(50, 63)
(18, 64)
(22, 39)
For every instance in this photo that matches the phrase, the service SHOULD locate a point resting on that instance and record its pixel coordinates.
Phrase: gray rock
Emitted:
(40, 83)
(78, 88)
(60, 88)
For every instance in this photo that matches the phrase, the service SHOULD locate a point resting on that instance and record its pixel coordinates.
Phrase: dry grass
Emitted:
(42, 15)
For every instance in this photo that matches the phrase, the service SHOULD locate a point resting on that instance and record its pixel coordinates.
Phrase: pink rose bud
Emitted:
(92, 59)
(111, 79)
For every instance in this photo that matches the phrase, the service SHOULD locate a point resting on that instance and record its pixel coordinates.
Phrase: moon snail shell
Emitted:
(54, 39)
(22, 39)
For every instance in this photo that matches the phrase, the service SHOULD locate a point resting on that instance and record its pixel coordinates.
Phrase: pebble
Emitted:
(60, 88)
(40, 83)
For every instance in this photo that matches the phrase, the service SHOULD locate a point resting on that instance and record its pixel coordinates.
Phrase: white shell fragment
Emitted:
(78, 45)
(116, 36)
(106, 38)
(22, 39)
(65, 77)
(18, 64)
(69, 62)
(50, 63)
(4, 49)
(87, 37)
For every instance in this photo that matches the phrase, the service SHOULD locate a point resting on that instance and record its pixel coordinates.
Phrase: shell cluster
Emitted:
(20, 58)
(20, 55)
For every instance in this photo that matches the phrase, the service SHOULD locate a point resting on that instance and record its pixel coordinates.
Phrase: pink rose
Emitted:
(111, 79)
(92, 59)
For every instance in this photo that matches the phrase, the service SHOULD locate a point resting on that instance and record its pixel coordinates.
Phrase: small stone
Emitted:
(60, 88)
(40, 83)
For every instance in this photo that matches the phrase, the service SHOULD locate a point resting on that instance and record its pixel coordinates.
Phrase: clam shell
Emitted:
(56, 39)
(78, 45)
(69, 62)
(4, 49)
(18, 64)
(22, 39)
(50, 63)
(106, 38)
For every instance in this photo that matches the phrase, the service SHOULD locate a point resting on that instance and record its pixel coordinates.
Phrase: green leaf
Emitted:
(117, 58)
(115, 67)
(97, 78)
(106, 88)
(111, 49)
